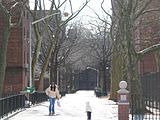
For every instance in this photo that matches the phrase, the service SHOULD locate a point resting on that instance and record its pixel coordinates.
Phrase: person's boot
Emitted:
(53, 113)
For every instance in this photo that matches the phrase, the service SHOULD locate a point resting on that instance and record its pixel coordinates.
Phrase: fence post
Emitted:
(123, 101)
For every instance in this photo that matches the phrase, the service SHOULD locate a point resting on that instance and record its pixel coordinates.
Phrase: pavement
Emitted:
(72, 108)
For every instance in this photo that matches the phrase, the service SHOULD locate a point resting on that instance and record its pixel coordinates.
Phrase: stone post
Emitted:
(123, 101)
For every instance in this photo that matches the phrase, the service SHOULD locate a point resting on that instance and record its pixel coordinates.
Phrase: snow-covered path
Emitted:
(72, 108)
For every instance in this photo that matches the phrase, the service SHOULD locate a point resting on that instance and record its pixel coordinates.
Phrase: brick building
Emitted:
(17, 68)
(147, 34)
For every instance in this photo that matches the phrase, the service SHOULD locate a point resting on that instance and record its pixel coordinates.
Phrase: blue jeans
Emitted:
(51, 105)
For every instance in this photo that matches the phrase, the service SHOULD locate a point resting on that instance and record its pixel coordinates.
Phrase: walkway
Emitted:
(72, 108)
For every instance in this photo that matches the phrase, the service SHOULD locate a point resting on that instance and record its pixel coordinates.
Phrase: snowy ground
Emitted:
(72, 108)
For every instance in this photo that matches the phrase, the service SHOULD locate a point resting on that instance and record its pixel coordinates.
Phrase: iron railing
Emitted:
(37, 97)
(147, 106)
(10, 104)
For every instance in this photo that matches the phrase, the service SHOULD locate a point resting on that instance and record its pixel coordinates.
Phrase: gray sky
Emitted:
(94, 4)
(87, 13)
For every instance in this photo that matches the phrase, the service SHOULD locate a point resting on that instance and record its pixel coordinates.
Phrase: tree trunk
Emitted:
(36, 51)
(53, 74)
(105, 89)
(49, 54)
(116, 74)
(54, 64)
(4, 45)
(44, 67)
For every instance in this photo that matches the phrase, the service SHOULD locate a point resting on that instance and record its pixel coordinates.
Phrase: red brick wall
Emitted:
(123, 113)
(147, 34)
(148, 64)
(13, 80)
(14, 51)
(17, 70)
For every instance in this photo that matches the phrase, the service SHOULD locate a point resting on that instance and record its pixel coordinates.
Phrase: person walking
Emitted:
(88, 110)
(53, 93)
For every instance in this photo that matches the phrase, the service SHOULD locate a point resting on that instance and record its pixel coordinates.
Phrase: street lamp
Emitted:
(97, 74)
(30, 45)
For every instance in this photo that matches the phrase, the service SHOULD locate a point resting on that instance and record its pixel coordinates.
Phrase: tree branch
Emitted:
(75, 14)
(142, 10)
(150, 49)
(105, 10)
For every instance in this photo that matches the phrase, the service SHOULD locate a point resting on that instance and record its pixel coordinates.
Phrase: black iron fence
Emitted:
(12, 103)
(37, 97)
(147, 106)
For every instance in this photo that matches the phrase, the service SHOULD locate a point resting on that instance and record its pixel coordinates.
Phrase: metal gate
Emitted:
(150, 99)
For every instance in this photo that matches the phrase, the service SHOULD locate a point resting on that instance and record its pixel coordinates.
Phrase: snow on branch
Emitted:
(150, 49)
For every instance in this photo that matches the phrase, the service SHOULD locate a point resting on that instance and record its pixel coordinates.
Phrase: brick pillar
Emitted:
(123, 101)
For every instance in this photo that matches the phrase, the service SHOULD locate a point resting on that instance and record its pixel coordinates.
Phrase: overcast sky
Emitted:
(87, 13)
(95, 5)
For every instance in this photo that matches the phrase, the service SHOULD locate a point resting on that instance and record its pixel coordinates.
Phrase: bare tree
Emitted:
(101, 46)
(53, 48)
(126, 14)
